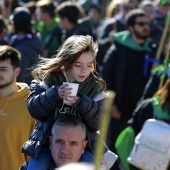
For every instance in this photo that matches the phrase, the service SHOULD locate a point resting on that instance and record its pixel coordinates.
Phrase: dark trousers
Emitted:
(115, 128)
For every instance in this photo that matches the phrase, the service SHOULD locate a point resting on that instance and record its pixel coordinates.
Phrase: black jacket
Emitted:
(43, 105)
(124, 73)
(103, 34)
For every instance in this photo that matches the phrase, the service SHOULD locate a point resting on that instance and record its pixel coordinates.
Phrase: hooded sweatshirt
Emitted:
(30, 47)
(124, 38)
(15, 127)
(126, 70)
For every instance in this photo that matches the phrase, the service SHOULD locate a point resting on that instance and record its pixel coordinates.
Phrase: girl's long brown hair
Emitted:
(164, 92)
(70, 51)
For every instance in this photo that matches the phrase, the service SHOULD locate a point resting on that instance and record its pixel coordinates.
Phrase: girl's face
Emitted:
(81, 69)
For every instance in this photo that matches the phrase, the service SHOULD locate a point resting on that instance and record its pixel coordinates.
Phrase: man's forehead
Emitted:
(141, 18)
(66, 139)
(6, 62)
(68, 134)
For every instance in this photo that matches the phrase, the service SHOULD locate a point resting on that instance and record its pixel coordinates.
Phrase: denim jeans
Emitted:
(43, 161)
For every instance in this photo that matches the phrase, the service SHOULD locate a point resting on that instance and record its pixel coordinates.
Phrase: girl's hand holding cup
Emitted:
(68, 91)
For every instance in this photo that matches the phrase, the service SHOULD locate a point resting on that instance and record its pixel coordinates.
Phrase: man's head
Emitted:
(21, 15)
(138, 23)
(69, 13)
(45, 9)
(128, 5)
(67, 140)
(148, 7)
(9, 65)
(21, 20)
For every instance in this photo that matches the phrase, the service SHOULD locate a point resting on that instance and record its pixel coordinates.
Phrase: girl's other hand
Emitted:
(65, 94)
(64, 91)
(70, 100)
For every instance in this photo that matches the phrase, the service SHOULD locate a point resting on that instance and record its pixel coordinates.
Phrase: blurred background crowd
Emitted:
(37, 28)
(52, 21)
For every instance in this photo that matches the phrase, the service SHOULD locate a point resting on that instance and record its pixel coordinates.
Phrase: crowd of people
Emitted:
(44, 43)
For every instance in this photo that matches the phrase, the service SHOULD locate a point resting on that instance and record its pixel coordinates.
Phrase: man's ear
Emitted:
(50, 141)
(17, 71)
(85, 142)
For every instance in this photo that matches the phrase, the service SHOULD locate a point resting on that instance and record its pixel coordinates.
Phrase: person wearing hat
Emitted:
(25, 41)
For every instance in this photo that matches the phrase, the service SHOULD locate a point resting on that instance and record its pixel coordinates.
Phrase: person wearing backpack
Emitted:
(157, 107)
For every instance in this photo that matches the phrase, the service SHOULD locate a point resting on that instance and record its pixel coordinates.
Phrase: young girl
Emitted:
(75, 62)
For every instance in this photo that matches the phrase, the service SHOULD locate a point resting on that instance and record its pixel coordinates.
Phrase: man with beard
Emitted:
(127, 66)
(15, 121)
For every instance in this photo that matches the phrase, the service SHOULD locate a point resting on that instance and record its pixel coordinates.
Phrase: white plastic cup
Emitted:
(109, 159)
(74, 87)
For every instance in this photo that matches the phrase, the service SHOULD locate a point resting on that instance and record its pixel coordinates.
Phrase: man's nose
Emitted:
(65, 149)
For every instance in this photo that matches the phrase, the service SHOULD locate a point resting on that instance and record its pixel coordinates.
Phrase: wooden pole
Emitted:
(165, 35)
(166, 59)
(163, 38)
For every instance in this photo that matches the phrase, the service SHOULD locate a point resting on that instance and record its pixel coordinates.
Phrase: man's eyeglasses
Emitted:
(142, 23)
